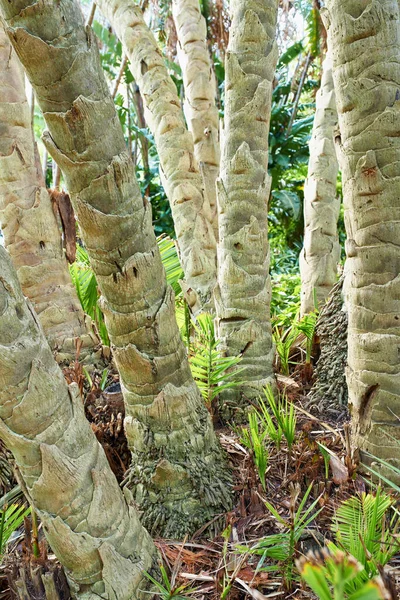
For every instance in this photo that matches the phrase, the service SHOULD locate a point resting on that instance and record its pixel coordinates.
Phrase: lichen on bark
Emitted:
(176, 457)
(29, 226)
(365, 41)
(65, 474)
(244, 290)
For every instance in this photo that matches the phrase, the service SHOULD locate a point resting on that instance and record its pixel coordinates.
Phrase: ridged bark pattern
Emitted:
(91, 529)
(179, 170)
(243, 296)
(321, 251)
(199, 81)
(176, 458)
(365, 40)
(28, 223)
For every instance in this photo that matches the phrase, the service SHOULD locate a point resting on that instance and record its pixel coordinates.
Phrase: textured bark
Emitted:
(199, 81)
(179, 170)
(365, 39)
(321, 250)
(7, 479)
(28, 223)
(94, 533)
(329, 391)
(176, 459)
(243, 296)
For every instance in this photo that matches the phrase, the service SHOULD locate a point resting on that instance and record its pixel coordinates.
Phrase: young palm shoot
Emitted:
(364, 528)
(211, 371)
(284, 341)
(283, 411)
(282, 547)
(254, 438)
(307, 326)
(11, 518)
(166, 590)
(329, 574)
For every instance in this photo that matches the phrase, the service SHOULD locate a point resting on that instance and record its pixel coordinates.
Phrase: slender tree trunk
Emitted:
(29, 225)
(179, 171)
(176, 459)
(365, 39)
(94, 533)
(200, 110)
(244, 292)
(321, 250)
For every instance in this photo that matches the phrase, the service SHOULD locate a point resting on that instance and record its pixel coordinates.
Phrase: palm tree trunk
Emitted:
(365, 40)
(244, 290)
(29, 225)
(321, 251)
(176, 458)
(179, 171)
(65, 474)
(200, 110)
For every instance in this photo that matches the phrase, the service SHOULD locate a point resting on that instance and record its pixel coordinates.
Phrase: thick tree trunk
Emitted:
(179, 169)
(321, 250)
(94, 533)
(29, 225)
(243, 295)
(365, 40)
(200, 110)
(176, 458)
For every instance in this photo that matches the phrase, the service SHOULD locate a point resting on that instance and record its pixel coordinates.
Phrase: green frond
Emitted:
(364, 528)
(170, 260)
(212, 372)
(11, 518)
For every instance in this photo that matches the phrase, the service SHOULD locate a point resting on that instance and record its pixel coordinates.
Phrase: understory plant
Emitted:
(281, 547)
(279, 417)
(286, 338)
(269, 422)
(365, 526)
(212, 372)
(166, 589)
(255, 439)
(328, 574)
(11, 519)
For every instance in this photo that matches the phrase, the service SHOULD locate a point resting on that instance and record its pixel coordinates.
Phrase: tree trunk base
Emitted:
(30, 580)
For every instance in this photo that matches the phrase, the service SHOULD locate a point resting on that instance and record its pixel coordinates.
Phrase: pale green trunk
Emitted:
(176, 458)
(321, 251)
(179, 170)
(365, 40)
(244, 290)
(200, 90)
(65, 474)
(28, 223)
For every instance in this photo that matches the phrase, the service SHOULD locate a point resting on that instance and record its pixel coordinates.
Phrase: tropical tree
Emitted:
(179, 171)
(175, 454)
(199, 82)
(321, 250)
(64, 471)
(28, 221)
(244, 290)
(365, 42)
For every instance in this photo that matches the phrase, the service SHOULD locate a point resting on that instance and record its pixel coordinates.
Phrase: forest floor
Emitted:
(230, 566)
